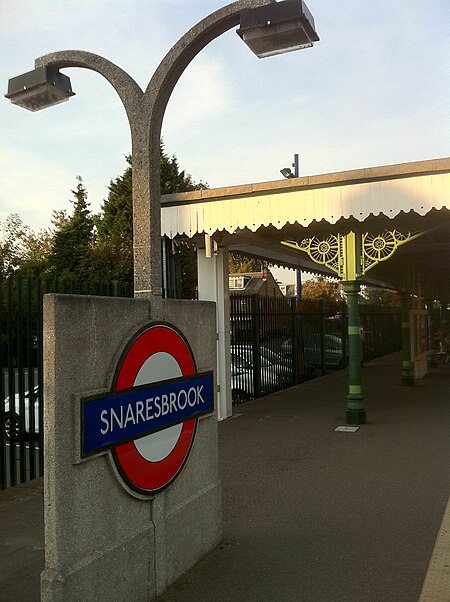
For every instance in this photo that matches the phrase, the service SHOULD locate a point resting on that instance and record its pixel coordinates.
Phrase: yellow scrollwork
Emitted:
(351, 255)
(380, 247)
(324, 251)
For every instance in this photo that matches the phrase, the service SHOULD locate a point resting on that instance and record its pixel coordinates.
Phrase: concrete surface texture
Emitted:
(310, 514)
(21, 542)
(101, 542)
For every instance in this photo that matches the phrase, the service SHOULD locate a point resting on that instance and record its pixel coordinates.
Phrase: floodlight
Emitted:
(287, 172)
(38, 89)
(277, 28)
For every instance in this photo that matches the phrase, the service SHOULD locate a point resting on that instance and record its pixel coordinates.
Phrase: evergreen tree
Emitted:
(70, 256)
(114, 249)
(113, 254)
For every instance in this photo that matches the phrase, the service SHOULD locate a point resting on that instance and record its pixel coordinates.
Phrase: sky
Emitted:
(374, 91)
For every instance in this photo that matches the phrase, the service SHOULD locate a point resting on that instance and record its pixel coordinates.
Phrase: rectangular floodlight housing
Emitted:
(277, 28)
(39, 89)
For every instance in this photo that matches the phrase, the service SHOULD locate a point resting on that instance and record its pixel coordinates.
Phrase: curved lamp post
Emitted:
(266, 26)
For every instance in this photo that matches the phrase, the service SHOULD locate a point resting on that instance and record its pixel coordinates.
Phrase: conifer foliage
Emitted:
(85, 246)
(73, 242)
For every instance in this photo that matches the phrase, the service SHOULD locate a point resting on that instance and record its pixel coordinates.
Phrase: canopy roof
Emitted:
(255, 218)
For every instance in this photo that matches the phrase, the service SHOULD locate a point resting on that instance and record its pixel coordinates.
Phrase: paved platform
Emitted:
(310, 513)
(21, 542)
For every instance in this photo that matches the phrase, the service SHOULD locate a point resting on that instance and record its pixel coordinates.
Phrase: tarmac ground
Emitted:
(313, 514)
(21, 542)
(310, 513)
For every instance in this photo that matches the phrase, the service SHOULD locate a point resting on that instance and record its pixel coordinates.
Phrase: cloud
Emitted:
(204, 92)
(374, 90)
(35, 196)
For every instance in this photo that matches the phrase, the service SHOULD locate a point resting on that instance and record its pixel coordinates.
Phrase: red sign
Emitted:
(152, 462)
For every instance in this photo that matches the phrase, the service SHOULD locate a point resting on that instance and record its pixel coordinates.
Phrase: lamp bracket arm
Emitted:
(172, 66)
(128, 90)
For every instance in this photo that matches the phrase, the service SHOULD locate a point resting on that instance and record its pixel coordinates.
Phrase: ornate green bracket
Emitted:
(352, 255)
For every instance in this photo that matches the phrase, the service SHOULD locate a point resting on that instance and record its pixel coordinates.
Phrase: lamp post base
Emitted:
(356, 416)
(407, 379)
(356, 412)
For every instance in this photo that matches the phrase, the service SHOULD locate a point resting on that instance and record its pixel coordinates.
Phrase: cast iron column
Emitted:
(356, 413)
(432, 357)
(407, 365)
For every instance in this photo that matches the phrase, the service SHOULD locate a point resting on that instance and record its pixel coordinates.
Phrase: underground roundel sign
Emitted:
(149, 419)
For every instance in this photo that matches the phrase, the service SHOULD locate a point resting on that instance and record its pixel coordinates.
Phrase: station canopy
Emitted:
(386, 204)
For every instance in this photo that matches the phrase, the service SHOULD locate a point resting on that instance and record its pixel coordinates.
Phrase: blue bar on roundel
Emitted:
(110, 420)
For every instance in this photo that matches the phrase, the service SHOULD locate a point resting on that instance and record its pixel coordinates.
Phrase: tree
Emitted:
(320, 288)
(113, 254)
(71, 252)
(60, 219)
(241, 264)
(114, 248)
(13, 235)
(37, 248)
(379, 296)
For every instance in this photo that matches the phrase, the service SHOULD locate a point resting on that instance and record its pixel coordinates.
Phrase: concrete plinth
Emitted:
(101, 542)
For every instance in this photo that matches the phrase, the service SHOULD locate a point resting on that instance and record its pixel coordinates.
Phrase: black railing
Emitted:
(21, 374)
(277, 343)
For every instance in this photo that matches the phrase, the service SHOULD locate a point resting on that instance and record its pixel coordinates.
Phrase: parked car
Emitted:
(333, 350)
(271, 362)
(273, 366)
(13, 420)
(242, 380)
(334, 357)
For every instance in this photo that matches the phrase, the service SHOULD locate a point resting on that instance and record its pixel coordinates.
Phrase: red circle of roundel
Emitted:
(139, 473)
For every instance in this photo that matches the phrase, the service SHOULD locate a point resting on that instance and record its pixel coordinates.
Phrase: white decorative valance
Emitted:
(330, 198)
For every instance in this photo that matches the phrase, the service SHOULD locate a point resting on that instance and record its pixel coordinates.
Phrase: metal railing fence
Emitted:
(21, 374)
(277, 342)
(381, 330)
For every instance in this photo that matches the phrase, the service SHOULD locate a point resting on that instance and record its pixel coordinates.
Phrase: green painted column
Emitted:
(432, 357)
(356, 412)
(407, 365)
